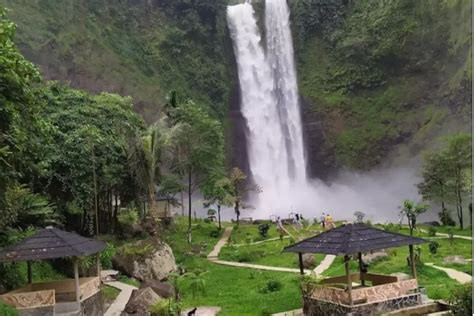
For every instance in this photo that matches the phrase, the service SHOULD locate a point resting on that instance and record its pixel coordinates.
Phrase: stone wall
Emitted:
(93, 305)
(39, 311)
(314, 307)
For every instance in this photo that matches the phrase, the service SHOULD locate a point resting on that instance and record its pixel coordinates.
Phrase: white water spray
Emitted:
(269, 103)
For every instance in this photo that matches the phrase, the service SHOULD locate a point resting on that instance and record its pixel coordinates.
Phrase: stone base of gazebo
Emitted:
(315, 307)
(56, 297)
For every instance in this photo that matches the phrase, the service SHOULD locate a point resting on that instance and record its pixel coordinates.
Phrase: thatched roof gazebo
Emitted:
(356, 239)
(52, 243)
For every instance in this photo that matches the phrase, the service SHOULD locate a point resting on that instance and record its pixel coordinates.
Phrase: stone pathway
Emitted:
(221, 243)
(295, 312)
(261, 241)
(324, 265)
(214, 254)
(459, 276)
(259, 267)
(446, 235)
(118, 305)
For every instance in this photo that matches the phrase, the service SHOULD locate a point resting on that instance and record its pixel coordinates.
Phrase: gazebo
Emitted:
(351, 293)
(50, 298)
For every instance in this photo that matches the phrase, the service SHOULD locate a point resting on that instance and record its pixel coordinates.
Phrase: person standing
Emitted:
(323, 221)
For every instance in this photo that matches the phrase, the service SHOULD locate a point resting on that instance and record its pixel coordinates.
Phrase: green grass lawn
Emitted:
(238, 291)
(455, 230)
(437, 283)
(268, 253)
(109, 293)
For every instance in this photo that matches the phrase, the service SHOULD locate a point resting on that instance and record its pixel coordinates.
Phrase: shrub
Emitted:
(432, 231)
(107, 255)
(263, 230)
(169, 307)
(7, 310)
(433, 246)
(214, 233)
(128, 217)
(271, 286)
(445, 218)
(461, 300)
(359, 216)
(207, 221)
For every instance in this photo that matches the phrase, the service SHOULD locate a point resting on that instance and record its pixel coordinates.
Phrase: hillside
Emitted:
(378, 79)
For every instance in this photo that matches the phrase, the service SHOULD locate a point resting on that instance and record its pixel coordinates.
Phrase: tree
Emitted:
(240, 188)
(359, 216)
(147, 155)
(198, 151)
(412, 210)
(447, 174)
(219, 191)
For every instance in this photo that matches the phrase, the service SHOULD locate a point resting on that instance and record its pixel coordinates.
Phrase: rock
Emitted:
(455, 259)
(140, 302)
(401, 276)
(434, 224)
(372, 257)
(109, 275)
(308, 260)
(146, 260)
(203, 311)
(164, 290)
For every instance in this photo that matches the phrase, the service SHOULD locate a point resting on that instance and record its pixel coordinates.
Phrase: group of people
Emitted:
(327, 222)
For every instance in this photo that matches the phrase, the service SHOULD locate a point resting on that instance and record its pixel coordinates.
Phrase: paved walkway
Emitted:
(221, 243)
(324, 265)
(446, 235)
(118, 305)
(459, 276)
(261, 241)
(259, 267)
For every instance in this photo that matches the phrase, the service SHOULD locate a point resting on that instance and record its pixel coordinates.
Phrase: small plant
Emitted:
(432, 231)
(461, 300)
(197, 282)
(7, 310)
(214, 233)
(128, 217)
(450, 236)
(433, 246)
(169, 307)
(207, 221)
(263, 230)
(271, 286)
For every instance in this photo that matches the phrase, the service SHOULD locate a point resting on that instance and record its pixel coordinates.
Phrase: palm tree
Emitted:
(147, 155)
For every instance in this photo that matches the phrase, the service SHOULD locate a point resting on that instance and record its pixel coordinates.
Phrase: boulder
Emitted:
(372, 257)
(308, 260)
(164, 290)
(455, 259)
(202, 311)
(140, 302)
(401, 276)
(146, 260)
(109, 275)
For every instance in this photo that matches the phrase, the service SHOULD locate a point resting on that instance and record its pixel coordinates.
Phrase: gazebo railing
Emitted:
(383, 288)
(48, 293)
(31, 299)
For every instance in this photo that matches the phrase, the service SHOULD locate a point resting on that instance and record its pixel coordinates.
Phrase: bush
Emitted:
(169, 307)
(263, 230)
(445, 218)
(271, 286)
(433, 246)
(107, 255)
(461, 300)
(214, 233)
(7, 310)
(128, 217)
(207, 221)
(432, 231)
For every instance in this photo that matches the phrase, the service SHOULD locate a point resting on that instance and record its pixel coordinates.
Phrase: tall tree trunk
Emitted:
(409, 225)
(219, 215)
(182, 203)
(189, 205)
(237, 212)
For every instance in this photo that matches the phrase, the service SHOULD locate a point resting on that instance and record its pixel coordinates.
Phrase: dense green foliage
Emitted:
(142, 49)
(447, 177)
(380, 74)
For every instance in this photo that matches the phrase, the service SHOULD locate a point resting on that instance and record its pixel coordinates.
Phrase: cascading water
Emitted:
(269, 104)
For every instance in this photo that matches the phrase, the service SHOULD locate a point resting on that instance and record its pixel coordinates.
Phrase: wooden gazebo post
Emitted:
(300, 259)
(361, 265)
(349, 279)
(30, 273)
(76, 279)
(412, 262)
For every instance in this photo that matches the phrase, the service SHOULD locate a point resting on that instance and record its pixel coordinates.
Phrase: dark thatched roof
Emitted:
(352, 238)
(51, 243)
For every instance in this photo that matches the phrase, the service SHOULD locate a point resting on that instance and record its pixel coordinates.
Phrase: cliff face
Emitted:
(379, 80)
(382, 79)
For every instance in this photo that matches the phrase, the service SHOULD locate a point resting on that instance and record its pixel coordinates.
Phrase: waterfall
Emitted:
(269, 103)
